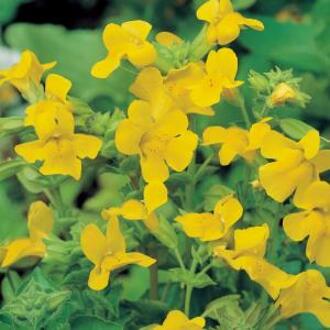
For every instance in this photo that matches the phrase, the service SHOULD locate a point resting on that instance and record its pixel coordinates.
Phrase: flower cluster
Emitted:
(176, 84)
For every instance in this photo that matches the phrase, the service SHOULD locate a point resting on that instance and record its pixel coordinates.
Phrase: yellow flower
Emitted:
(220, 72)
(57, 146)
(108, 253)
(56, 92)
(296, 164)
(307, 295)
(282, 94)
(169, 92)
(233, 140)
(224, 23)
(127, 40)
(177, 84)
(236, 141)
(212, 226)
(313, 222)
(133, 210)
(168, 39)
(248, 255)
(161, 141)
(149, 86)
(26, 74)
(40, 224)
(176, 320)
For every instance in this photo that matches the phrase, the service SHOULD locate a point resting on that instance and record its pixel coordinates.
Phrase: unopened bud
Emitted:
(282, 93)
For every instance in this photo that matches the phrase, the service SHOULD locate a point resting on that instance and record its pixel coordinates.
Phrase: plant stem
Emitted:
(180, 261)
(244, 112)
(154, 282)
(203, 167)
(189, 288)
(200, 46)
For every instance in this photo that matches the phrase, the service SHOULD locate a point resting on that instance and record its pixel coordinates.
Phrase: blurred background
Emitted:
(296, 36)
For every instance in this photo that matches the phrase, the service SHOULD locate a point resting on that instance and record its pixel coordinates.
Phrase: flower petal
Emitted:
(40, 220)
(105, 67)
(179, 151)
(208, 11)
(114, 237)
(311, 144)
(128, 137)
(274, 144)
(86, 145)
(133, 210)
(31, 151)
(93, 243)
(252, 240)
(98, 278)
(154, 168)
(230, 210)
(155, 195)
(142, 55)
(57, 87)
(214, 135)
(228, 29)
(322, 161)
(137, 28)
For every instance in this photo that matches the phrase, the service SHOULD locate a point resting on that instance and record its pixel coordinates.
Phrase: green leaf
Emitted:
(11, 125)
(227, 312)
(75, 52)
(201, 280)
(136, 284)
(243, 4)
(286, 44)
(214, 194)
(295, 128)
(8, 9)
(12, 223)
(10, 168)
(94, 323)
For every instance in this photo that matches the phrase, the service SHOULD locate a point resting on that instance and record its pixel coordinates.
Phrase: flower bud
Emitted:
(282, 93)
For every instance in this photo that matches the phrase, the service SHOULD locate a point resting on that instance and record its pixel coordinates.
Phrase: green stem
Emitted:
(154, 282)
(201, 169)
(180, 261)
(200, 46)
(244, 112)
(189, 288)
(55, 198)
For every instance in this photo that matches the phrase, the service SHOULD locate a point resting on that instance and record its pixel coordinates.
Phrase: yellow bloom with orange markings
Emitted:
(108, 253)
(177, 320)
(224, 24)
(40, 224)
(295, 165)
(125, 41)
(248, 255)
(313, 222)
(220, 72)
(60, 149)
(26, 75)
(162, 140)
(212, 226)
